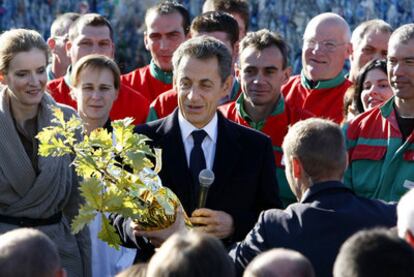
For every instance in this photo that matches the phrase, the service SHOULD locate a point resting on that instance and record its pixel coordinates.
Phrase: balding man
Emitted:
(327, 213)
(381, 141)
(319, 90)
(28, 252)
(405, 214)
(59, 35)
(280, 262)
(369, 42)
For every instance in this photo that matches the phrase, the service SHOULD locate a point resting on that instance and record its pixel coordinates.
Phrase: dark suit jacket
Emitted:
(316, 227)
(245, 182)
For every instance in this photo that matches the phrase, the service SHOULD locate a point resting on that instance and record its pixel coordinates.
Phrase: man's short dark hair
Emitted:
(89, 19)
(169, 7)
(263, 39)
(240, 7)
(203, 48)
(403, 34)
(28, 252)
(375, 252)
(217, 22)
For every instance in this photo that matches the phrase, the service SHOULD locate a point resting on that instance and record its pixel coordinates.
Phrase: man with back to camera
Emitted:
(327, 212)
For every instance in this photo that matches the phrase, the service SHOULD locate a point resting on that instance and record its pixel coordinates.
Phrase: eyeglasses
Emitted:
(324, 45)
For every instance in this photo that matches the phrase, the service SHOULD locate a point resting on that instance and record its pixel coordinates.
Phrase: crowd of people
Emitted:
(313, 169)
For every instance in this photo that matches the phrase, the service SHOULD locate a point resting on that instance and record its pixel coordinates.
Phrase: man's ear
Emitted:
(146, 40)
(286, 74)
(51, 42)
(61, 273)
(297, 169)
(227, 85)
(68, 46)
(409, 237)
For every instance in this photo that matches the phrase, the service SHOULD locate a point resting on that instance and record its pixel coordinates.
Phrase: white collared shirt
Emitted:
(209, 142)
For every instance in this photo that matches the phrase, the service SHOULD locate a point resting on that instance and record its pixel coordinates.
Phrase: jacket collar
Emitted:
(317, 188)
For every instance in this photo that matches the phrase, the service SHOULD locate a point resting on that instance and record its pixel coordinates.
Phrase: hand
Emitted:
(159, 236)
(216, 223)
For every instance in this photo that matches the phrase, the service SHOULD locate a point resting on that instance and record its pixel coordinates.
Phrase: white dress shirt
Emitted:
(209, 142)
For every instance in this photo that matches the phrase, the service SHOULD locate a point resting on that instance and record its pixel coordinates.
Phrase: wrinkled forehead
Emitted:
(398, 46)
(328, 29)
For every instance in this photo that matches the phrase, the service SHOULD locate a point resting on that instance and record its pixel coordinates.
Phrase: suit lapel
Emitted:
(174, 160)
(228, 152)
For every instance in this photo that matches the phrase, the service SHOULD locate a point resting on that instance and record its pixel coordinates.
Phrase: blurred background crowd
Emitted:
(289, 17)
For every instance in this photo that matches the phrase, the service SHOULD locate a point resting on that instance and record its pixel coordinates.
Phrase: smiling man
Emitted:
(320, 88)
(167, 25)
(262, 70)
(381, 141)
(196, 133)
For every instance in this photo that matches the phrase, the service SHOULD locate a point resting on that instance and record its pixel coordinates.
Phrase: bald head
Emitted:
(329, 19)
(326, 46)
(281, 263)
(19, 254)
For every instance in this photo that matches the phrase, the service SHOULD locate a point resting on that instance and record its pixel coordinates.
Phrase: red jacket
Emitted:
(128, 104)
(317, 102)
(142, 80)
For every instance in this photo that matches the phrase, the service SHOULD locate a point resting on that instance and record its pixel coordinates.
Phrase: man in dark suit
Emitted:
(327, 212)
(241, 158)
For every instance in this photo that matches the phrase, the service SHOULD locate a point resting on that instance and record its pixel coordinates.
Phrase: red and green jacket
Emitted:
(323, 99)
(128, 104)
(276, 127)
(167, 101)
(381, 164)
(149, 80)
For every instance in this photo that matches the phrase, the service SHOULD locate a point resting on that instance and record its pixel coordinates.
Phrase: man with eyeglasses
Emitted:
(57, 40)
(319, 90)
(92, 34)
(380, 141)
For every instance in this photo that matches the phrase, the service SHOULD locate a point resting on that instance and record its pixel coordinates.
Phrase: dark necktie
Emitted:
(197, 159)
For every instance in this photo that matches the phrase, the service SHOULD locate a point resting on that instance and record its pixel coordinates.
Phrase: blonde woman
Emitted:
(35, 191)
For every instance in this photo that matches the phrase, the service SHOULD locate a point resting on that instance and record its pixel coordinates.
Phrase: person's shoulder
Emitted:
(279, 217)
(55, 85)
(245, 132)
(151, 129)
(365, 121)
(228, 108)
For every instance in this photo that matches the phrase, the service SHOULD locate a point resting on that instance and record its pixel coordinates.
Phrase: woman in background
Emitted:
(370, 89)
(38, 192)
(96, 80)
